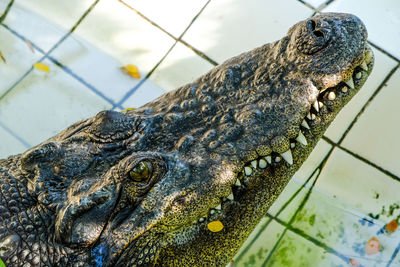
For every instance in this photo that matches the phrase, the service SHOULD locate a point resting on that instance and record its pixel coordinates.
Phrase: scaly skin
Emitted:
(219, 149)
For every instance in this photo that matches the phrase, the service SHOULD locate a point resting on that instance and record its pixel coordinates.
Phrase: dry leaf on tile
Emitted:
(2, 57)
(41, 66)
(391, 226)
(29, 44)
(131, 70)
(373, 246)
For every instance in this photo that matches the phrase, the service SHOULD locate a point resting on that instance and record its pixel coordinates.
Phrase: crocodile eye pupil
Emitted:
(141, 172)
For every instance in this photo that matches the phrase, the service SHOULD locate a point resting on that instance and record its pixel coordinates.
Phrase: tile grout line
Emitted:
(309, 238)
(198, 52)
(365, 106)
(302, 204)
(46, 55)
(396, 251)
(20, 139)
(281, 209)
(366, 161)
(134, 89)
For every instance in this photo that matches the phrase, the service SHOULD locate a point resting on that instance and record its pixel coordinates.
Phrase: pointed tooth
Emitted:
(254, 164)
(262, 164)
(212, 211)
(345, 89)
(358, 75)
(268, 159)
(320, 104)
(313, 116)
(364, 66)
(230, 197)
(248, 170)
(218, 207)
(288, 157)
(202, 219)
(316, 106)
(277, 159)
(350, 83)
(238, 182)
(309, 116)
(292, 145)
(332, 95)
(301, 139)
(305, 125)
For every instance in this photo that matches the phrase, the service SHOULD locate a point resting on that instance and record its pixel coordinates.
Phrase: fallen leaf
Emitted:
(30, 46)
(215, 226)
(131, 70)
(2, 58)
(41, 66)
(354, 263)
(391, 227)
(373, 246)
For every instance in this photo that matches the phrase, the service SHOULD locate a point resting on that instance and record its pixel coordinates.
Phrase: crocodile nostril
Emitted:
(318, 34)
(311, 24)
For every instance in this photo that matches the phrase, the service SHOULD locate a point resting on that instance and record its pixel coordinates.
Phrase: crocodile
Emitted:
(184, 179)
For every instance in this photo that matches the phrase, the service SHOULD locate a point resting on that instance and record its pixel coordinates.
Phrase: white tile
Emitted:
(44, 22)
(18, 56)
(145, 93)
(375, 135)
(357, 184)
(180, 67)
(262, 240)
(227, 28)
(383, 66)
(43, 104)
(124, 36)
(97, 68)
(173, 16)
(10, 145)
(382, 19)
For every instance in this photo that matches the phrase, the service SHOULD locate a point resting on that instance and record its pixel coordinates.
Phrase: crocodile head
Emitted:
(183, 180)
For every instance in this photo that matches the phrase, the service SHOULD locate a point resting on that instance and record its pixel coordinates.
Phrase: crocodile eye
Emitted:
(141, 172)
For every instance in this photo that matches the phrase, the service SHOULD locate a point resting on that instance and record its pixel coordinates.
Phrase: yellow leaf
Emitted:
(131, 70)
(128, 109)
(41, 66)
(2, 58)
(215, 226)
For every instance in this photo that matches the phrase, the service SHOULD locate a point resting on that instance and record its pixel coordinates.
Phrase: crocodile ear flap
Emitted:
(81, 220)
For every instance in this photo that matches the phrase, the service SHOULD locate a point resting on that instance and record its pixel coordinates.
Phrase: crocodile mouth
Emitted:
(320, 114)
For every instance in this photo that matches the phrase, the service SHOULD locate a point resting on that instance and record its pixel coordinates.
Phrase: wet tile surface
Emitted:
(326, 224)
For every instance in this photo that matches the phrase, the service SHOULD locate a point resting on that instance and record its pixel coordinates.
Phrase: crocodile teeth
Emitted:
(254, 164)
(309, 116)
(358, 75)
(202, 219)
(230, 197)
(277, 159)
(313, 117)
(248, 171)
(292, 145)
(331, 95)
(350, 83)
(268, 159)
(212, 211)
(364, 66)
(368, 56)
(301, 139)
(288, 157)
(345, 89)
(316, 106)
(305, 125)
(238, 182)
(218, 207)
(262, 164)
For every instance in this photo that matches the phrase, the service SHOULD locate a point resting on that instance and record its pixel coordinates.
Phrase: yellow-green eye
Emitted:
(141, 172)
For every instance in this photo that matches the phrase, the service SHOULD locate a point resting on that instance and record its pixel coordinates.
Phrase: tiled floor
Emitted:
(324, 216)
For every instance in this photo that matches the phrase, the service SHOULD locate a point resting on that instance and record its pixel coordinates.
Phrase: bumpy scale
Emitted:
(183, 180)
